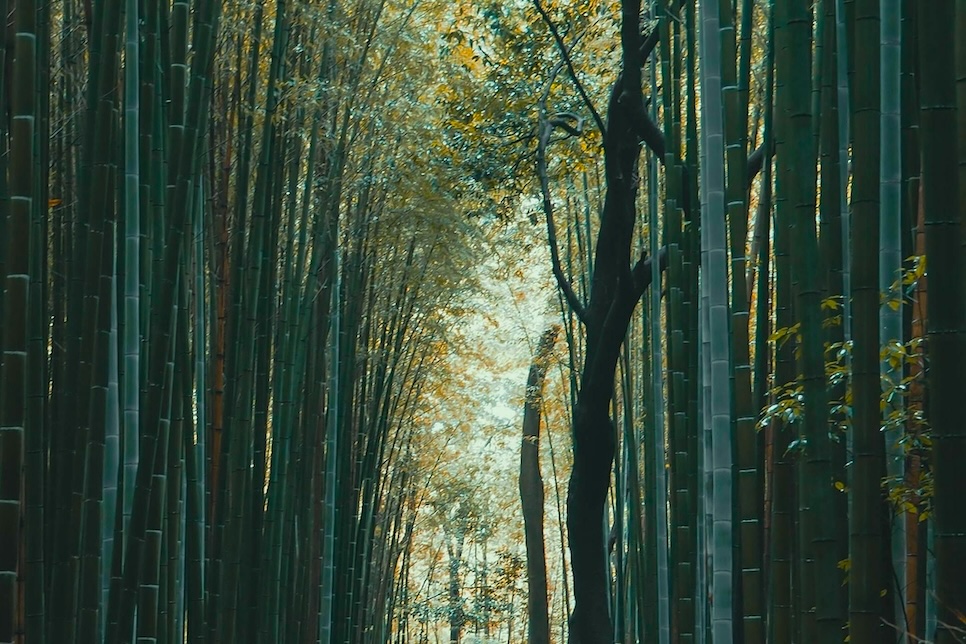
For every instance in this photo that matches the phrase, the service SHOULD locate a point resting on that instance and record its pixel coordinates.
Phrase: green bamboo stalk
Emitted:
(111, 469)
(747, 498)
(832, 253)
(913, 322)
(37, 430)
(131, 290)
(938, 132)
(4, 160)
(194, 450)
(762, 228)
(844, 56)
(651, 603)
(690, 302)
(890, 271)
(131, 340)
(334, 378)
(867, 577)
(705, 522)
(715, 272)
(783, 619)
(799, 191)
(637, 544)
(13, 372)
(657, 458)
(960, 54)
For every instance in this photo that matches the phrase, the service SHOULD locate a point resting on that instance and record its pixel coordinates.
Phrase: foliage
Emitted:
(900, 403)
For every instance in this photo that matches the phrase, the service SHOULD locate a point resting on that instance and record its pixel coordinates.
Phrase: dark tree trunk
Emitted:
(617, 285)
(594, 444)
(615, 291)
(531, 494)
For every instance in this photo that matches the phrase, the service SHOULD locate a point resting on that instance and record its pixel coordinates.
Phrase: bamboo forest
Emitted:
(438, 321)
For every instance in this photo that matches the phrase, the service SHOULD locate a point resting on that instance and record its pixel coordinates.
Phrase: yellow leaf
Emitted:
(830, 304)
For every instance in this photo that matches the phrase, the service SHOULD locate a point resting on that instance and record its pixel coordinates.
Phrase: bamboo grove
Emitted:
(225, 293)
(239, 238)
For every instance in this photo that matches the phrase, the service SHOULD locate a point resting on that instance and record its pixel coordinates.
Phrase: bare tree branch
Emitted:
(642, 271)
(756, 160)
(545, 128)
(569, 122)
(648, 45)
(648, 131)
(565, 53)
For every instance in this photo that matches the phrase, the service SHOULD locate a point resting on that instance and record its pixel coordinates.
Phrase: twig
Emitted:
(565, 53)
(906, 633)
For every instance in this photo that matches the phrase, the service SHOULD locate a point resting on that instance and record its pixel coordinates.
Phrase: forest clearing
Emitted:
(413, 321)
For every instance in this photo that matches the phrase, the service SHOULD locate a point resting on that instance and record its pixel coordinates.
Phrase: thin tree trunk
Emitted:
(531, 493)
